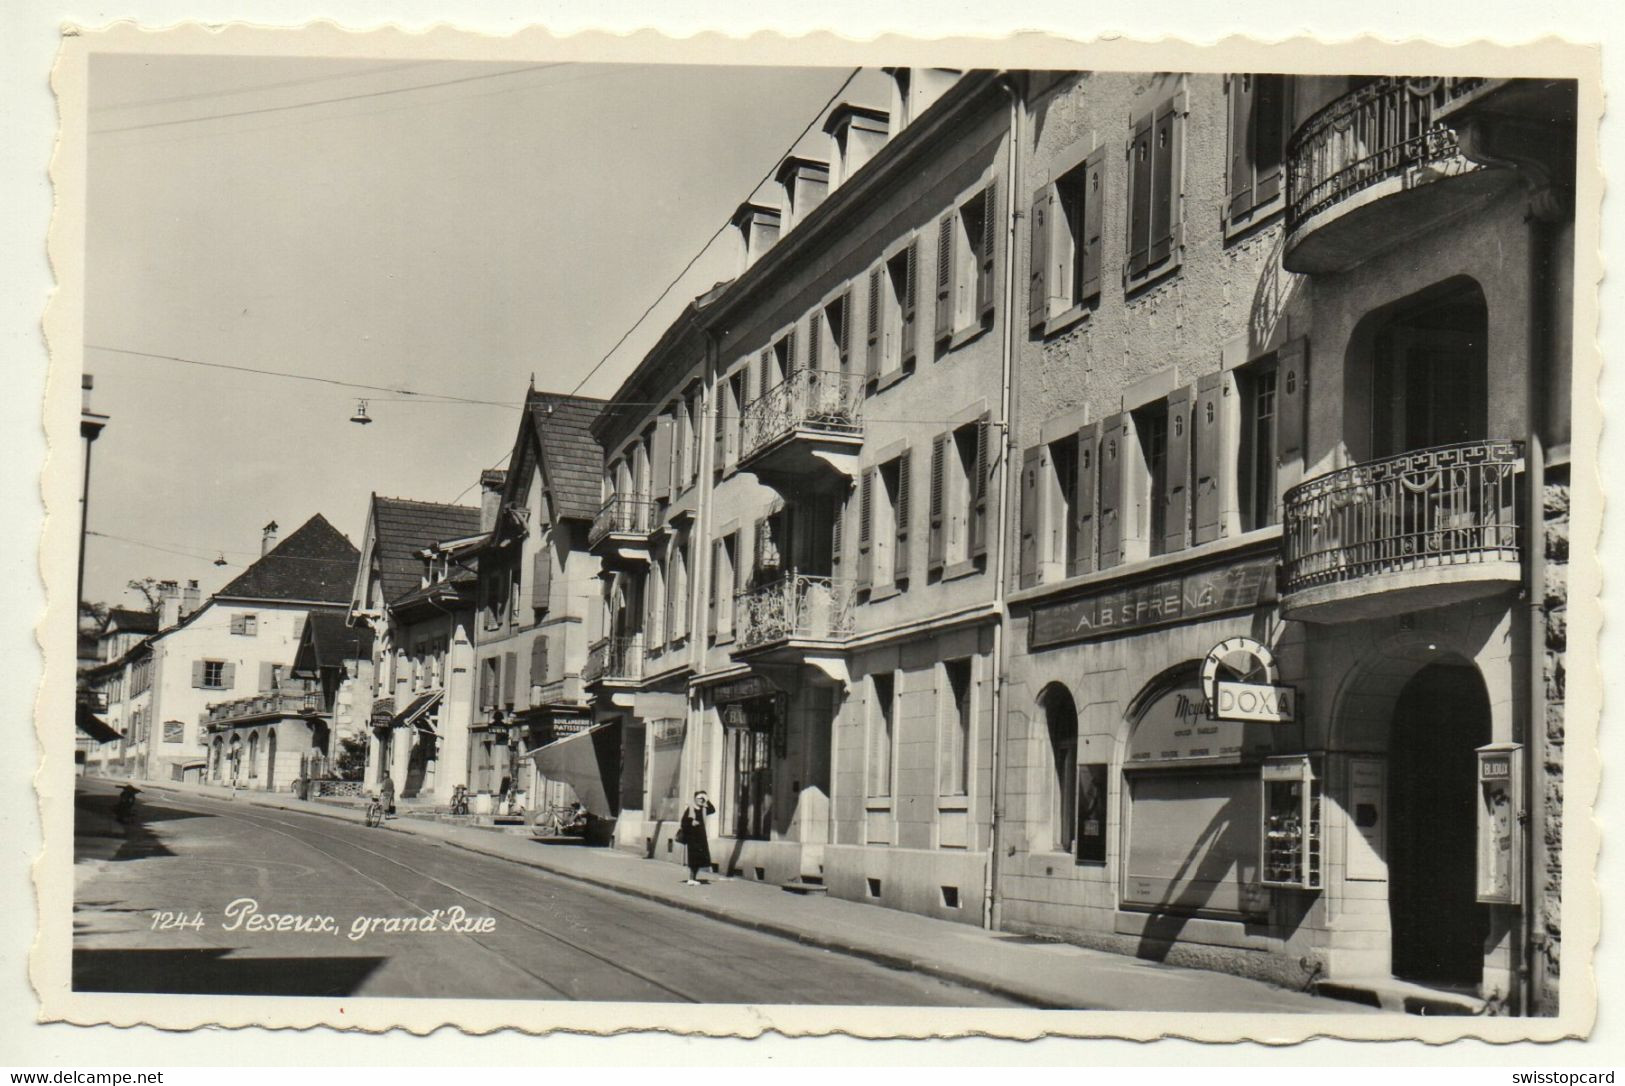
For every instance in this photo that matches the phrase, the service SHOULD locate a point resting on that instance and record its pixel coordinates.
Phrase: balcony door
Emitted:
(1431, 383)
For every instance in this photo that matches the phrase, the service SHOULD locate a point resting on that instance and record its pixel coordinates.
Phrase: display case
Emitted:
(1291, 850)
(1500, 813)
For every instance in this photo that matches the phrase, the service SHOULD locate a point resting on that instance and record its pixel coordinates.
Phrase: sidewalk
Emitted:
(1043, 974)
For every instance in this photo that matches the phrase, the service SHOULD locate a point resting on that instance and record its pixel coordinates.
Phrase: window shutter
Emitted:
(872, 359)
(843, 336)
(238, 625)
(197, 674)
(1082, 558)
(837, 533)
(1176, 514)
(792, 352)
(911, 304)
(228, 676)
(1038, 258)
(1094, 202)
(660, 465)
(1165, 181)
(984, 264)
(1207, 419)
(1032, 462)
(510, 669)
(1139, 172)
(903, 511)
(1291, 392)
(866, 529)
(541, 577)
(1272, 95)
(979, 488)
(764, 380)
(1240, 88)
(945, 276)
(267, 676)
(1112, 458)
(815, 329)
(937, 543)
(721, 424)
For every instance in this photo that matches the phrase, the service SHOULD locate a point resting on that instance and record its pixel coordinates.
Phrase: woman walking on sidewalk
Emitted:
(691, 832)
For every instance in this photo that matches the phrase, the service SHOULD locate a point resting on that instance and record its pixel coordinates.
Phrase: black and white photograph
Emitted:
(1014, 545)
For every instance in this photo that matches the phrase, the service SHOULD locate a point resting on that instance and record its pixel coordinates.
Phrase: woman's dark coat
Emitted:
(692, 830)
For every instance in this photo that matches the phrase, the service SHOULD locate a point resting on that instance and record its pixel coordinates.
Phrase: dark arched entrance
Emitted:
(270, 760)
(1441, 715)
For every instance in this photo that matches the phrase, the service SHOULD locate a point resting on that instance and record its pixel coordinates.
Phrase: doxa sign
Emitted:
(1254, 701)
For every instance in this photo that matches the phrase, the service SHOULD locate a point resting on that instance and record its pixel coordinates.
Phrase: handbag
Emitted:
(682, 833)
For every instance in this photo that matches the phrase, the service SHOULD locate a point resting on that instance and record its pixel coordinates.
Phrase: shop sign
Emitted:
(383, 712)
(752, 686)
(1196, 595)
(1177, 729)
(1257, 696)
(668, 732)
(570, 725)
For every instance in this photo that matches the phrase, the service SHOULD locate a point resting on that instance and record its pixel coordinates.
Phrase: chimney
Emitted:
(806, 183)
(169, 604)
(491, 481)
(191, 599)
(267, 538)
(856, 133)
(758, 227)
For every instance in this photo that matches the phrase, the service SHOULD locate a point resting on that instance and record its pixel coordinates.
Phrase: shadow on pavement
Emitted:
(212, 971)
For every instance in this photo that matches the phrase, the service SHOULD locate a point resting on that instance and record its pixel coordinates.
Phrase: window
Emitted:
(882, 707)
(654, 621)
(213, 674)
(730, 408)
(1260, 111)
(828, 337)
(245, 625)
(1255, 472)
(966, 244)
(1061, 720)
(677, 592)
(691, 446)
(893, 339)
(1152, 425)
(1066, 241)
(490, 677)
(884, 513)
(723, 579)
(1155, 161)
(957, 518)
(958, 712)
(1061, 531)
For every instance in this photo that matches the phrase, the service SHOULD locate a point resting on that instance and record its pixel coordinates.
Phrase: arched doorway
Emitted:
(1061, 724)
(253, 755)
(1439, 930)
(270, 760)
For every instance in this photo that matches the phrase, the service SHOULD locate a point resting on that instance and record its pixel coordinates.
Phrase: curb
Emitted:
(765, 927)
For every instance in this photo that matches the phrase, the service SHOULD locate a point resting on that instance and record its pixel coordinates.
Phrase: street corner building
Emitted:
(1130, 509)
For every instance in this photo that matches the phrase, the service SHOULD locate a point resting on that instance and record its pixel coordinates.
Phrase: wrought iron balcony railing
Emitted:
(822, 401)
(614, 659)
(289, 702)
(1448, 506)
(1375, 132)
(621, 515)
(797, 606)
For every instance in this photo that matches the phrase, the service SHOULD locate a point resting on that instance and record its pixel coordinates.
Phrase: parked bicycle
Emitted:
(375, 811)
(459, 800)
(561, 820)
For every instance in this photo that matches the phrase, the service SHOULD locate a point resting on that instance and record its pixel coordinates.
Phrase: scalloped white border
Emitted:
(52, 873)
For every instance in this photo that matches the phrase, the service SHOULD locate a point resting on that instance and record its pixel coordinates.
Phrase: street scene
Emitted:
(886, 536)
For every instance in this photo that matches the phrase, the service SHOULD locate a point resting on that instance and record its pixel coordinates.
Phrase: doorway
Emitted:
(1439, 929)
(1431, 379)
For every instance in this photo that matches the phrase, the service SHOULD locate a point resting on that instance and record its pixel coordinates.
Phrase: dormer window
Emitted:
(806, 183)
(856, 134)
(758, 227)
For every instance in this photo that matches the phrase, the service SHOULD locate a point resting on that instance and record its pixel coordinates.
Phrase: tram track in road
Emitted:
(271, 823)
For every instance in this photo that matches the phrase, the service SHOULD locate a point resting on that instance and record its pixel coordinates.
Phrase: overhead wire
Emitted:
(354, 73)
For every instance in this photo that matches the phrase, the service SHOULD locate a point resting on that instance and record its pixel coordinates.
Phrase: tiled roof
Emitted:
(131, 621)
(315, 563)
(572, 460)
(328, 641)
(401, 528)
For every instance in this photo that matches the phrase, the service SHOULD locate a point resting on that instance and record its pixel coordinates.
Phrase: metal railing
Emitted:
(614, 659)
(796, 606)
(297, 702)
(826, 401)
(1447, 506)
(1375, 132)
(621, 515)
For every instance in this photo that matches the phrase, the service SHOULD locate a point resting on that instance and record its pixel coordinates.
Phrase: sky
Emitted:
(445, 227)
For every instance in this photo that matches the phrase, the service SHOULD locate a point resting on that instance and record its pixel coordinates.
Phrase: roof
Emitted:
(401, 528)
(328, 641)
(315, 564)
(131, 621)
(572, 460)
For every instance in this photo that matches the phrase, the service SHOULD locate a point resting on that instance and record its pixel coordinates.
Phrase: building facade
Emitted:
(1292, 454)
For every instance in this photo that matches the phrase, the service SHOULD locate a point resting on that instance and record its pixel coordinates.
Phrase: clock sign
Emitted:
(1239, 679)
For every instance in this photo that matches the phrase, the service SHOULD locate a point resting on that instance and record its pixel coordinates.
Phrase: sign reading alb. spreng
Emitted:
(1200, 594)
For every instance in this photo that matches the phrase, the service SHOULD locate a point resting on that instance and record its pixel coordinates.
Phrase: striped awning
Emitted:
(416, 714)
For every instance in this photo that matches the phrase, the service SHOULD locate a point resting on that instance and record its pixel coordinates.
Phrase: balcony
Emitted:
(613, 661)
(1375, 168)
(804, 428)
(273, 704)
(620, 531)
(1418, 530)
(798, 618)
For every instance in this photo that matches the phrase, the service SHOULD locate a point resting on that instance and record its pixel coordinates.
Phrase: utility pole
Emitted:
(90, 428)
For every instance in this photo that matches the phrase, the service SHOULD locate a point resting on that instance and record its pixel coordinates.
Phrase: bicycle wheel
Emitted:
(375, 814)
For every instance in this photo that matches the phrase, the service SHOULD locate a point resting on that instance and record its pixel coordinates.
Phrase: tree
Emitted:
(152, 590)
(92, 616)
(352, 760)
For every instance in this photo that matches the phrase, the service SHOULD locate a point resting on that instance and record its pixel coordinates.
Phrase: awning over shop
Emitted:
(588, 762)
(95, 727)
(416, 714)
